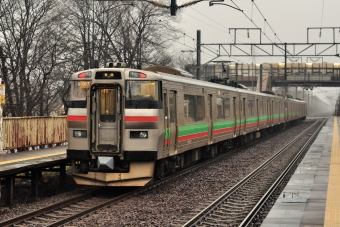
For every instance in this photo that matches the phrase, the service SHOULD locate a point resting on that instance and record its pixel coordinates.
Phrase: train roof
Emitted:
(176, 75)
(169, 70)
(175, 78)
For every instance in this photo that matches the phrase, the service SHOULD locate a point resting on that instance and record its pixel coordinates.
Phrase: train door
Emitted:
(106, 114)
(166, 124)
(172, 123)
(234, 115)
(257, 114)
(243, 117)
(272, 113)
(268, 113)
(211, 123)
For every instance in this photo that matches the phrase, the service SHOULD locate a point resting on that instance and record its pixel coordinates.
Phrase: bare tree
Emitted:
(31, 46)
(44, 41)
(115, 31)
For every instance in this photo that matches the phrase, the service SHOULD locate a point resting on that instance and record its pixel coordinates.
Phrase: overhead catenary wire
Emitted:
(207, 48)
(323, 4)
(266, 21)
(259, 27)
(211, 27)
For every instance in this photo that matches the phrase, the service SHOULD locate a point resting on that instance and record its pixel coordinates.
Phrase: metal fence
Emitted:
(24, 132)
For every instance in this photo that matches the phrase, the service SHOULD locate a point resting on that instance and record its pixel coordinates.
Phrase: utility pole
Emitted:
(173, 8)
(198, 65)
(285, 85)
(2, 94)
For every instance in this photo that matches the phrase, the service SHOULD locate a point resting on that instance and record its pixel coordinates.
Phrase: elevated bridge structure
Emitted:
(267, 75)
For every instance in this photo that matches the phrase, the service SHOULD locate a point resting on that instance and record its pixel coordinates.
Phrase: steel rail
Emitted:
(39, 212)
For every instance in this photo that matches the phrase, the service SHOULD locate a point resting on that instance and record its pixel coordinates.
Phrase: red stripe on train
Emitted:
(192, 136)
(76, 118)
(141, 118)
(218, 131)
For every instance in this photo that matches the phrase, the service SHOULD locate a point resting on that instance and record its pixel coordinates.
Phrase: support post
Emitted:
(34, 182)
(260, 77)
(296, 91)
(285, 85)
(198, 54)
(62, 175)
(9, 190)
(236, 79)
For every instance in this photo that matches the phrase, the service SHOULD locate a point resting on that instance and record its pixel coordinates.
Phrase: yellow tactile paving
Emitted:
(31, 158)
(332, 214)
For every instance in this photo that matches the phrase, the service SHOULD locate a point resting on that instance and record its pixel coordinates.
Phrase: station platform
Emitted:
(312, 196)
(34, 162)
(19, 162)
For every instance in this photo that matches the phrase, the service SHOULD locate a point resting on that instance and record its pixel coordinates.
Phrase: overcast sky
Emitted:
(289, 19)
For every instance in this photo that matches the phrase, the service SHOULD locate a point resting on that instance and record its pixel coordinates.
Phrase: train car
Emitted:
(144, 124)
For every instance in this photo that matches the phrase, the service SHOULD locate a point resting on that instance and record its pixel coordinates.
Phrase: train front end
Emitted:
(123, 134)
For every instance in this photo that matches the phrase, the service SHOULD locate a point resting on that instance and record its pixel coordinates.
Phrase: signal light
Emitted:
(137, 75)
(85, 75)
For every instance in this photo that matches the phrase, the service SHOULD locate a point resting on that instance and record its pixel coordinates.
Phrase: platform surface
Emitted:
(311, 197)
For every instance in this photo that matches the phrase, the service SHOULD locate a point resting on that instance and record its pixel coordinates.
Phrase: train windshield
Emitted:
(142, 95)
(78, 93)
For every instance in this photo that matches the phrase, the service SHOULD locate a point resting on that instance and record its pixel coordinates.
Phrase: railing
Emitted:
(24, 132)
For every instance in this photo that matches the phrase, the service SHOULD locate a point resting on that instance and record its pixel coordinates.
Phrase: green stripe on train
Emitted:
(167, 133)
(251, 120)
(263, 118)
(240, 122)
(192, 129)
(223, 124)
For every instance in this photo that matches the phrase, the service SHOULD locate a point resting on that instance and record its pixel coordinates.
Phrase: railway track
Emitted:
(79, 206)
(243, 204)
(67, 210)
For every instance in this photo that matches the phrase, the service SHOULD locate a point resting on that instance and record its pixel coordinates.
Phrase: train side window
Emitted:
(172, 107)
(189, 108)
(226, 107)
(143, 95)
(261, 109)
(220, 108)
(200, 108)
(194, 108)
(251, 107)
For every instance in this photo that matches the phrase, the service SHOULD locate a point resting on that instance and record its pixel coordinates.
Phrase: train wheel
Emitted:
(159, 170)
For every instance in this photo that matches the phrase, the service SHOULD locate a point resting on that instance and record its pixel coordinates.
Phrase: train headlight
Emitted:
(80, 133)
(139, 134)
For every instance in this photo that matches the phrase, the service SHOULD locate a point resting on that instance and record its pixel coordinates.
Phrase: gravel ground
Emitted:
(172, 204)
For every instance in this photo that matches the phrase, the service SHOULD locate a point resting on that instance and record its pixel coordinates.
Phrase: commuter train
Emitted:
(128, 126)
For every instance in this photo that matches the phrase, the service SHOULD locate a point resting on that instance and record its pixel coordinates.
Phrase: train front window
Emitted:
(80, 89)
(78, 93)
(142, 95)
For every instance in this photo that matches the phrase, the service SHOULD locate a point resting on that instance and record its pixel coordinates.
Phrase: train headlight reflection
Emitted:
(139, 134)
(80, 133)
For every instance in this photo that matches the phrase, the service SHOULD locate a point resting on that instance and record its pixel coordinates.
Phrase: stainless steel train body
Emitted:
(142, 124)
